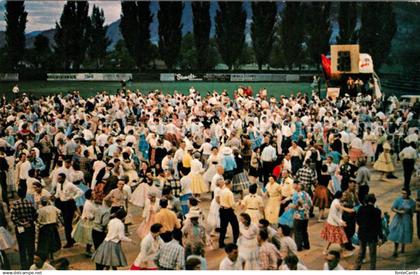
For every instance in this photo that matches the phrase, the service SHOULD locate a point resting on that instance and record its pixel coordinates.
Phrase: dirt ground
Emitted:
(385, 191)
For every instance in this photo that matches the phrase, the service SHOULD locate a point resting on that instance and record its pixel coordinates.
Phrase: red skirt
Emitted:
(355, 154)
(133, 267)
(333, 234)
(321, 197)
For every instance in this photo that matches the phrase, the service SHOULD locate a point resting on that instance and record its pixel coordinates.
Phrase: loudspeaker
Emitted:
(345, 59)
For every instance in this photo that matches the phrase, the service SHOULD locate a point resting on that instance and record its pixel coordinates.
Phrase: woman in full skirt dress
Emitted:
(198, 185)
(333, 231)
(140, 194)
(82, 232)
(321, 195)
(149, 247)
(401, 227)
(272, 208)
(150, 209)
(356, 149)
(212, 162)
(110, 254)
(247, 242)
(384, 163)
(255, 166)
(213, 218)
(240, 181)
(144, 147)
(369, 144)
(129, 168)
(48, 237)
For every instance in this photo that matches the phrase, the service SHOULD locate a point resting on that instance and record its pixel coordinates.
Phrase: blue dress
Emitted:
(401, 227)
(256, 140)
(80, 201)
(288, 216)
(144, 147)
(299, 131)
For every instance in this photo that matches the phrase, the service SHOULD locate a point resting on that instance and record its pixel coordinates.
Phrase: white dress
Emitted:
(368, 144)
(141, 193)
(149, 212)
(213, 219)
(248, 246)
(213, 161)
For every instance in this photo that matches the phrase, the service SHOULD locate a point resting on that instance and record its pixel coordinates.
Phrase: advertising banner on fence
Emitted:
(231, 77)
(216, 77)
(9, 77)
(167, 77)
(88, 77)
(189, 77)
(194, 77)
(264, 77)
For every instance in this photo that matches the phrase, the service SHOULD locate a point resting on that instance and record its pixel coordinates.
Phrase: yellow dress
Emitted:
(384, 162)
(198, 185)
(272, 209)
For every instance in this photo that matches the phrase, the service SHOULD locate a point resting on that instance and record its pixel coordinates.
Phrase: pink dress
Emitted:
(149, 212)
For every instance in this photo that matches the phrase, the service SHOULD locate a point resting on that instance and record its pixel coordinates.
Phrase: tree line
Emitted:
(288, 39)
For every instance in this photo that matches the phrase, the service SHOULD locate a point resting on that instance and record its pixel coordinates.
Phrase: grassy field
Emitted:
(91, 88)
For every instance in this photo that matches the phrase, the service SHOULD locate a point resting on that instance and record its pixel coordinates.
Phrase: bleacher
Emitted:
(404, 83)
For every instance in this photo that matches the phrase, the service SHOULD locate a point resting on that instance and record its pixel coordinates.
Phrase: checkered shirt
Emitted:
(174, 185)
(269, 255)
(23, 211)
(171, 256)
(306, 176)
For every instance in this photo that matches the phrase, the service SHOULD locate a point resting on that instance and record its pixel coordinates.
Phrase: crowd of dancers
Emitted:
(268, 165)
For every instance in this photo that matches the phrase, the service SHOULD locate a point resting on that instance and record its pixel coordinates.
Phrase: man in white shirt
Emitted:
(149, 247)
(179, 155)
(232, 261)
(25, 166)
(102, 139)
(205, 149)
(414, 137)
(408, 156)
(65, 195)
(88, 135)
(345, 139)
(268, 156)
